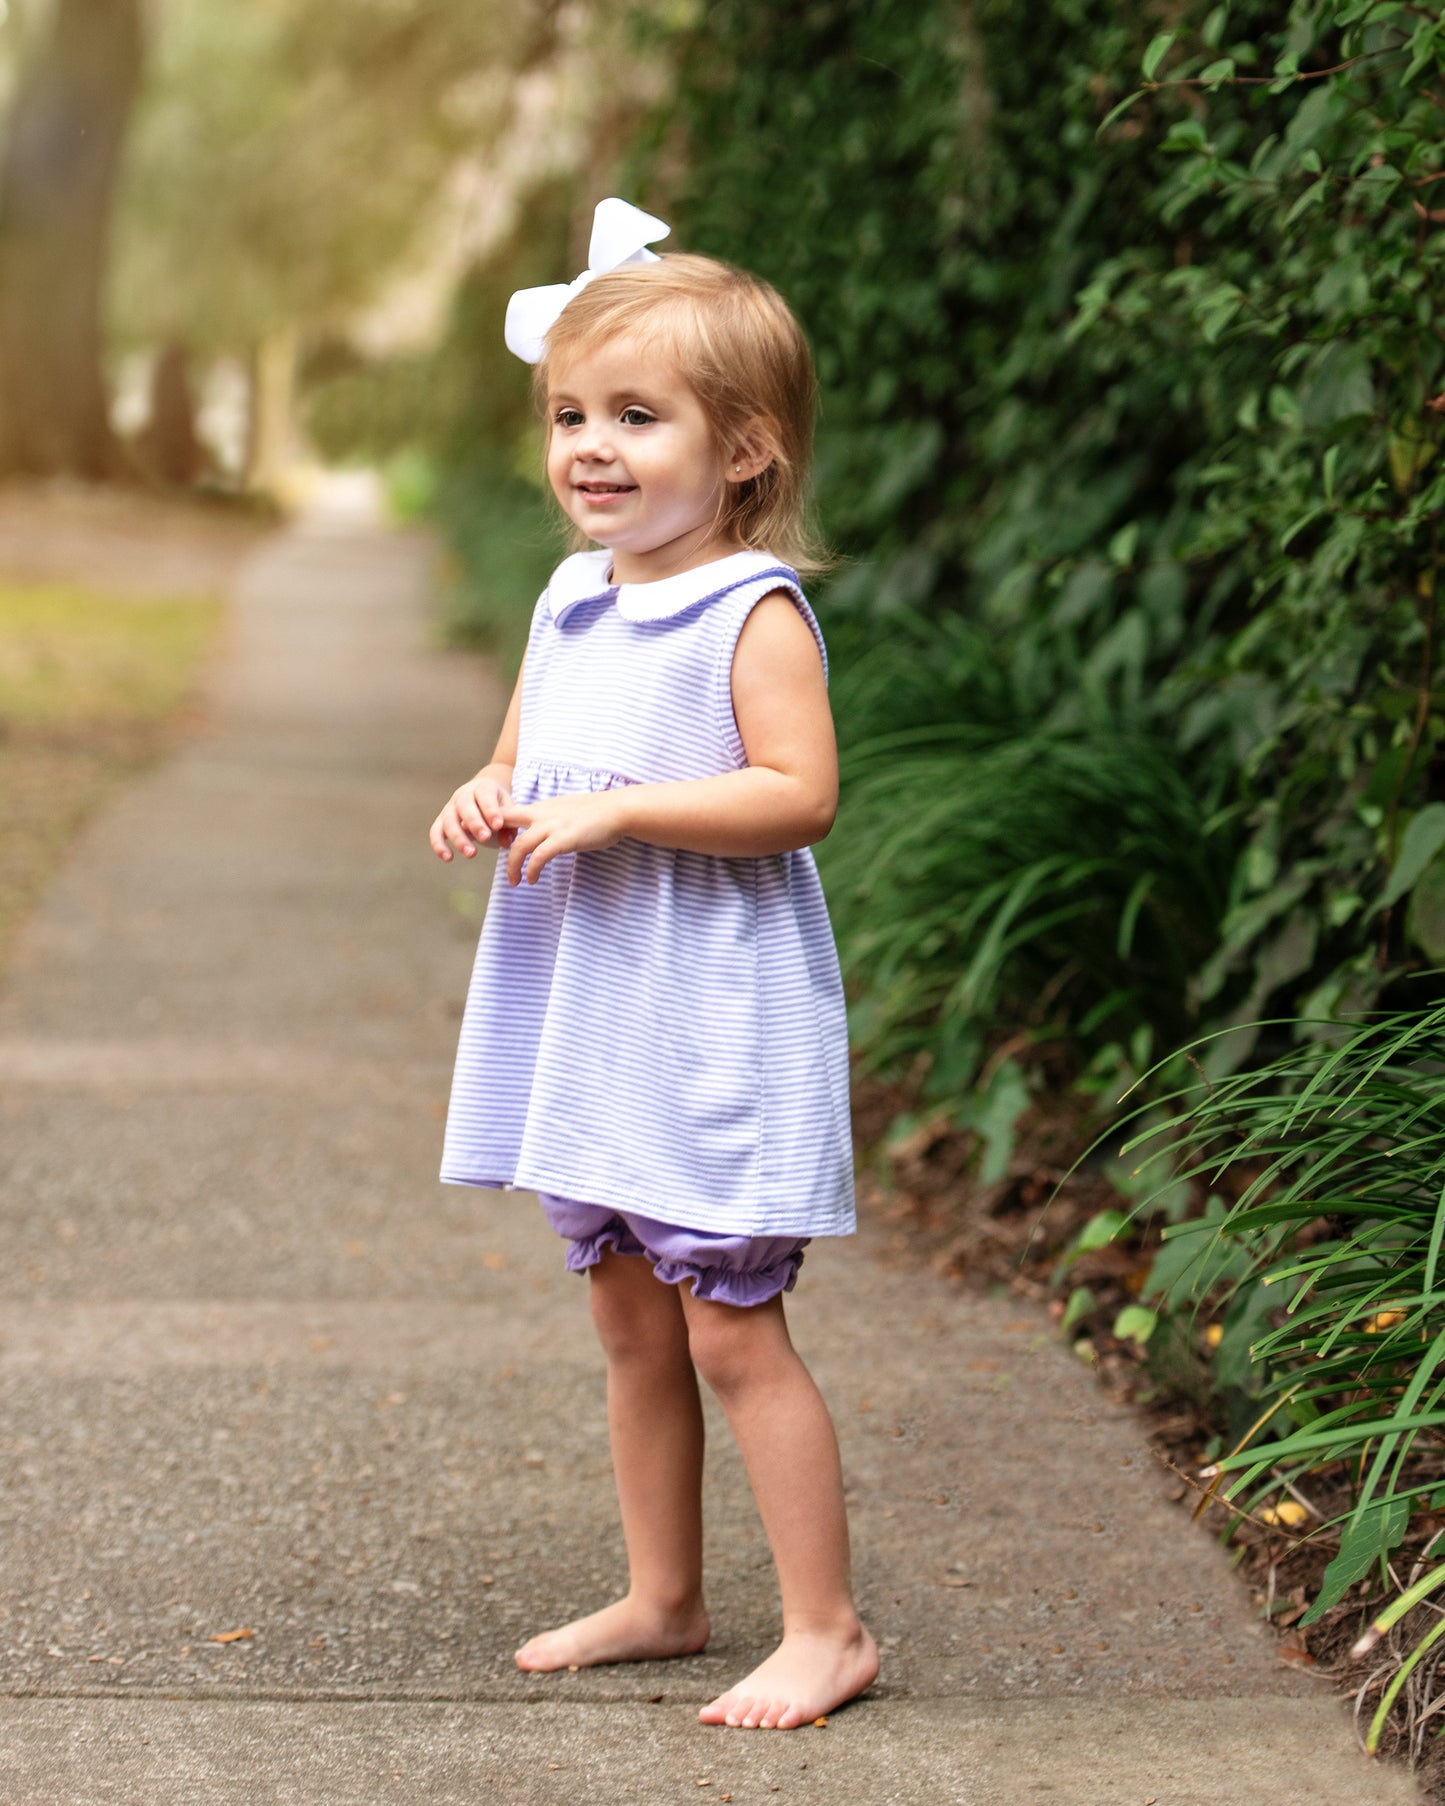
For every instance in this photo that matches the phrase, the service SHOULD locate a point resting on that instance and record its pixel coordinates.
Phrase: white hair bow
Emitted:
(620, 234)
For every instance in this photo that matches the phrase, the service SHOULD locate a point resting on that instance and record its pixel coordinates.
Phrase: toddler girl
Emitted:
(654, 1040)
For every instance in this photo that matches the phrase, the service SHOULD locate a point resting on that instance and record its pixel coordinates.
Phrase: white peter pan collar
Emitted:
(584, 578)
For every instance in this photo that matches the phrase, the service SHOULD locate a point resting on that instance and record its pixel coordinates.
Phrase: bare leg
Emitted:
(654, 1416)
(791, 1453)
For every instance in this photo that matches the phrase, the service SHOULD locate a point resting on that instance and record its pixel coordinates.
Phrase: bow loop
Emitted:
(620, 234)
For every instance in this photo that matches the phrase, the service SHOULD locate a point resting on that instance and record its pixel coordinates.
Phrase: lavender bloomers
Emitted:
(729, 1269)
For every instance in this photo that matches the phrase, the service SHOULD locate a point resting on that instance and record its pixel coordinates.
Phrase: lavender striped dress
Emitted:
(650, 1030)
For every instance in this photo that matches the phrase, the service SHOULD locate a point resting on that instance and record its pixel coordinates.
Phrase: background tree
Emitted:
(61, 157)
(290, 160)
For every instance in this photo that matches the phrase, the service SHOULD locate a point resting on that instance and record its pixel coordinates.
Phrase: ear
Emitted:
(753, 450)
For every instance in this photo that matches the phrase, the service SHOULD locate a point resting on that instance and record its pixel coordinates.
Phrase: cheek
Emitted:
(557, 465)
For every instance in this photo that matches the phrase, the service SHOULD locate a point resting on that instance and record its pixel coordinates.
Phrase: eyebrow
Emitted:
(616, 399)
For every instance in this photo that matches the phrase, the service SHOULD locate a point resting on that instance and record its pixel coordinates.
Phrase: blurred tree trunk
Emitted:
(170, 449)
(271, 436)
(61, 158)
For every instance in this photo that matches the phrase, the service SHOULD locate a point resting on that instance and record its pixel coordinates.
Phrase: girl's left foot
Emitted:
(806, 1676)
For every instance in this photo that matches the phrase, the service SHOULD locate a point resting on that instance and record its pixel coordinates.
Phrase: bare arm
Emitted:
(475, 810)
(785, 798)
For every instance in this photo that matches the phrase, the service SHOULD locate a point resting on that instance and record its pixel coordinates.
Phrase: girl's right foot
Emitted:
(625, 1632)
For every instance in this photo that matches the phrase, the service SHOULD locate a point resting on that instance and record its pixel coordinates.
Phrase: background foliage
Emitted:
(1131, 442)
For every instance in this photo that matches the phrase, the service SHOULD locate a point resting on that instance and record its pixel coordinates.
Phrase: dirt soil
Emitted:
(124, 541)
(1009, 1237)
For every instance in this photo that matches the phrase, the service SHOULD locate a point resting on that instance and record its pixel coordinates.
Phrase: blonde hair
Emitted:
(737, 346)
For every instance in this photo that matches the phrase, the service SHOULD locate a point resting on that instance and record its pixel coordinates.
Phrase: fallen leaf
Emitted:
(496, 1262)
(821, 1722)
(1383, 1320)
(1213, 1334)
(231, 1636)
(1289, 1512)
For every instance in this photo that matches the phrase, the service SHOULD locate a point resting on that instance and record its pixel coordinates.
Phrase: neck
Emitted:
(669, 560)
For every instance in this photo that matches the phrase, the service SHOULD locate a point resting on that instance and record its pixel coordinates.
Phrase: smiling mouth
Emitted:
(599, 489)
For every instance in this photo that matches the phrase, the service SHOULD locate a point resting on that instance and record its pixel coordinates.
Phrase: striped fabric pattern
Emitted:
(648, 1029)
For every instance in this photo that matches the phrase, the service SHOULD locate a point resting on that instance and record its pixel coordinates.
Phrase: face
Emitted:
(632, 459)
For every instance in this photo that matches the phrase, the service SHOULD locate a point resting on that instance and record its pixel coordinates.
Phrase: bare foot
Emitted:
(625, 1632)
(808, 1674)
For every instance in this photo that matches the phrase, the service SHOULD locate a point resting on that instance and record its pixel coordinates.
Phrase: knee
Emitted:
(619, 1331)
(723, 1349)
(632, 1326)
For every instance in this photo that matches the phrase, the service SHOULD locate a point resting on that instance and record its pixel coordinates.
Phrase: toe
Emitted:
(790, 1718)
(720, 1711)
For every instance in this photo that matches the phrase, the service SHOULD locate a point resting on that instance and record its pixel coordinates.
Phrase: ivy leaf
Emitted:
(1122, 545)
(1332, 457)
(1156, 53)
(1081, 1302)
(1135, 1323)
(1185, 135)
(1368, 1537)
(1422, 840)
(1114, 112)
(1341, 386)
(1425, 920)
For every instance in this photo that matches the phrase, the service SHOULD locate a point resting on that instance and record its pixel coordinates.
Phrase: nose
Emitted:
(594, 442)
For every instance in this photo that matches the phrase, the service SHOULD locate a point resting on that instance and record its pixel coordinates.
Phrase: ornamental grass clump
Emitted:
(1325, 1169)
(1058, 880)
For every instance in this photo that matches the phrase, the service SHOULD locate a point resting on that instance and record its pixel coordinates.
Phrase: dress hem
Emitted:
(714, 1223)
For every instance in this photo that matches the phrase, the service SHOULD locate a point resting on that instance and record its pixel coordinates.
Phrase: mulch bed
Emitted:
(1009, 1236)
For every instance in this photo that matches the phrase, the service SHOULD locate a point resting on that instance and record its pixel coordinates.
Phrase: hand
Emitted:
(474, 814)
(581, 823)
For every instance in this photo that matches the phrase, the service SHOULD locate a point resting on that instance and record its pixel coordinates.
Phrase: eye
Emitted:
(568, 417)
(637, 417)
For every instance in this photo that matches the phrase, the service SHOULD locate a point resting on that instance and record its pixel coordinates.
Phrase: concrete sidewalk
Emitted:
(262, 1375)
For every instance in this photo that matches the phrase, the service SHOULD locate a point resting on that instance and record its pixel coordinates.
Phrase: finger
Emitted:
(472, 818)
(544, 851)
(443, 832)
(438, 841)
(460, 839)
(516, 853)
(523, 850)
